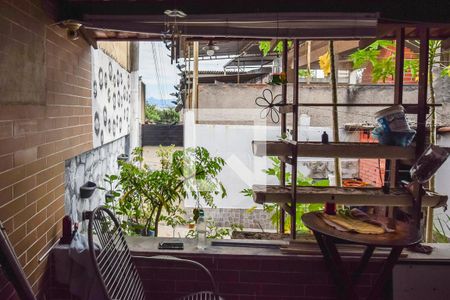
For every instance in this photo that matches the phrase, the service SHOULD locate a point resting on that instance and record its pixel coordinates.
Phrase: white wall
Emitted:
(135, 113)
(442, 180)
(233, 143)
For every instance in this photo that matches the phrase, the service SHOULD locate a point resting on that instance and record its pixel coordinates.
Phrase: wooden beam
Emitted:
(294, 139)
(335, 118)
(343, 150)
(421, 117)
(399, 63)
(416, 11)
(283, 129)
(422, 91)
(343, 195)
(409, 108)
(225, 30)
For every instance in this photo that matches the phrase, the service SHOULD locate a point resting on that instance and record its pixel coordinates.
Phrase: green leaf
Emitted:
(445, 71)
(264, 46)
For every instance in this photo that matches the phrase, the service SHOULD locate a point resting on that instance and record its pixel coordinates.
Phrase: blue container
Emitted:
(402, 139)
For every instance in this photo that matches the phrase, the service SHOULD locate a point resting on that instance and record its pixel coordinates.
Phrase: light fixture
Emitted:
(210, 48)
(175, 13)
(72, 29)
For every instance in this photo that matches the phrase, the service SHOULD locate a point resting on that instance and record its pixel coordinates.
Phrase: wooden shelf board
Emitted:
(343, 195)
(343, 150)
(405, 234)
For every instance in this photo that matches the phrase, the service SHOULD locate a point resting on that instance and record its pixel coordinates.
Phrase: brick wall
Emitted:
(45, 118)
(384, 53)
(250, 277)
(242, 277)
(371, 170)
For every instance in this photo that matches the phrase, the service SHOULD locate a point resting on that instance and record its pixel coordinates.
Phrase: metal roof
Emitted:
(257, 19)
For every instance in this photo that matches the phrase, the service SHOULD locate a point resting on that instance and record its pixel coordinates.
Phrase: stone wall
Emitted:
(91, 166)
(235, 103)
(225, 217)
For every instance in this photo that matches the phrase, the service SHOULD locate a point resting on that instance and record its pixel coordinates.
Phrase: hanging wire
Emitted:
(157, 71)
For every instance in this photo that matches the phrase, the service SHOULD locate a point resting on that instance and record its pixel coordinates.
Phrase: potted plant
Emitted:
(148, 196)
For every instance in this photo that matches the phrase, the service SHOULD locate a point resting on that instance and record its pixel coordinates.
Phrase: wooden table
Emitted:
(327, 237)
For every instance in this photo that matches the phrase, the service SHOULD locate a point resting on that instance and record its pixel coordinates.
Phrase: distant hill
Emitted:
(160, 102)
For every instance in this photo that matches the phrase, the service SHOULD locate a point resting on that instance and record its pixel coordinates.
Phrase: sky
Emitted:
(159, 75)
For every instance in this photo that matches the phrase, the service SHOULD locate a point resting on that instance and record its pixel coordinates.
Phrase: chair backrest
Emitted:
(115, 270)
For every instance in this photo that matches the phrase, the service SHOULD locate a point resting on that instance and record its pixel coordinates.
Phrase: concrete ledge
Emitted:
(146, 245)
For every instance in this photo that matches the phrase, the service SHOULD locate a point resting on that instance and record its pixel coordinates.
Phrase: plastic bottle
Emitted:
(201, 230)
(324, 137)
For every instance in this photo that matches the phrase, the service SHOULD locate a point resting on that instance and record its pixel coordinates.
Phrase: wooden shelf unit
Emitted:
(343, 195)
(342, 150)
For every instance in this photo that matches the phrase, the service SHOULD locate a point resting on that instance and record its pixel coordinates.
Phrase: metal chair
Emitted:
(113, 263)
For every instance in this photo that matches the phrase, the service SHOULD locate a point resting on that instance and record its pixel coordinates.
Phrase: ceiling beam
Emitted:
(400, 10)
(314, 32)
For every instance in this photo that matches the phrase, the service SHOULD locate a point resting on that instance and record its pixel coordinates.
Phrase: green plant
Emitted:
(213, 231)
(304, 73)
(384, 67)
(302, 208)
(112, 191)
(151, 196)
(197, 170)
(161, 116)
(175, 219)
(439, 231)
(265, 47)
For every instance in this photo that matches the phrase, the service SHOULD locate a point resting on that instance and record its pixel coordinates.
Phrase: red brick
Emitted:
(45, 226)
(222, 276)
(45, 150)
(11, 145)
(36, 193)
(34, 249)
(9, 210)
(278, 290)
(325, 291)
(25, 243)
(25, 214)
(6, 162)
(277, 277)
(6, 129)
(36, 220)
(17, 235)
(45, 200)
(237, 264)
(55, 230)
(18, 111)
(24, 186)
(55, 182)
(50, 173)
(240, 288)
(22, 127)
(25, 156)
(35, 167)
(5, 196)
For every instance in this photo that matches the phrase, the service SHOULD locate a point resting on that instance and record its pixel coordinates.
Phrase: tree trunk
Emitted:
(337, 164)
